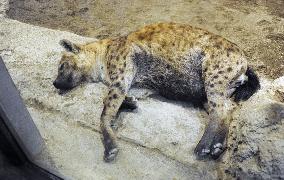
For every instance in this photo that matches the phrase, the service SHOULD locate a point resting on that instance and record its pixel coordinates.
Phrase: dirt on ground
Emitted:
(257, 26)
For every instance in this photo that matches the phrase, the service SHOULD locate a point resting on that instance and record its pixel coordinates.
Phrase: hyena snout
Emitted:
(62, 84)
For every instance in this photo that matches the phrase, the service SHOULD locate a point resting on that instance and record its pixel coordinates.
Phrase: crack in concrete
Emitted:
(132, 142)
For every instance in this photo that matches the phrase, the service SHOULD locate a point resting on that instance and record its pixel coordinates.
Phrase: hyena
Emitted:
(177, 61)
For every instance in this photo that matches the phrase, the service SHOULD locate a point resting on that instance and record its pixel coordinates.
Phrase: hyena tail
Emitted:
(246, 90)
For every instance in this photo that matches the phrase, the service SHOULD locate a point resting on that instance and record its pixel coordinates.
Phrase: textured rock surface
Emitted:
(256, 145)
(156, 142)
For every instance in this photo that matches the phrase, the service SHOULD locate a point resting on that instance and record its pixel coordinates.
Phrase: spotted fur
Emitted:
(176, 60)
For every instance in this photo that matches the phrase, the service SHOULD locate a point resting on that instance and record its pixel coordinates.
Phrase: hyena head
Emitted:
(71, 71)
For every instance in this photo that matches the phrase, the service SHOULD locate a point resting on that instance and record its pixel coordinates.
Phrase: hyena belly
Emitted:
(178, 83)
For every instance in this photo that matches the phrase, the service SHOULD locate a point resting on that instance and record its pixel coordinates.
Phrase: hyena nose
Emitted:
(55, 83)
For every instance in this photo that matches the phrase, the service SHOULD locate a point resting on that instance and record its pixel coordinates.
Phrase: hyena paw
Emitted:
(210, 148)
(217, 150)
(129, 103)
(110, 154)
(202, 151)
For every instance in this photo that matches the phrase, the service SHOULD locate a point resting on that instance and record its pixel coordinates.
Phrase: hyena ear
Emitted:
(69, 46)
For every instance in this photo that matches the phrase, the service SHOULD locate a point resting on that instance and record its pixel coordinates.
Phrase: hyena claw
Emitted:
(205, 151)
(110, 154)
(211, 148)
(217, 150)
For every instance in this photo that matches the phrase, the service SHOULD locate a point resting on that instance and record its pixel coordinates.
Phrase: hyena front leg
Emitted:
(112, 103)
(129, 104)
(217, 85)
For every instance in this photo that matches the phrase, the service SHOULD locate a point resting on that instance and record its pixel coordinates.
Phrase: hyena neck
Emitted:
(99, 71)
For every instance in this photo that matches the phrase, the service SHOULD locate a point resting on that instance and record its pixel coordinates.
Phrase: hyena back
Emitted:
(178, 61)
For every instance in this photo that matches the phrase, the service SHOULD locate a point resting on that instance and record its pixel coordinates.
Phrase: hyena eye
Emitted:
(62, 66)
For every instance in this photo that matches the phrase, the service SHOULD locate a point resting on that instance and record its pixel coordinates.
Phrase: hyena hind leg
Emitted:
(213, 141)
(221, 78)
(130, 101)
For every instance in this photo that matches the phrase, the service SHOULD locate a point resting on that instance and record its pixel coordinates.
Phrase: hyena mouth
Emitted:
(64, 91)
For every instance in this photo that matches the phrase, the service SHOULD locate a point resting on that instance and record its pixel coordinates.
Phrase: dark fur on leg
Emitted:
(110, 146)
(213, 142)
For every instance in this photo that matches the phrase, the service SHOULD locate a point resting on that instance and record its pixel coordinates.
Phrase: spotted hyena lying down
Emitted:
(177, 61)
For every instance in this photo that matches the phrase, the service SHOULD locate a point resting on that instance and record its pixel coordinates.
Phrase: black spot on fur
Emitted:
(245, 91)
(212, 103)
(230, 50)
(212, 85)
(229, 69)
(117, 84)
(121, 70)
(216, 66)
(215, 77)
(114, 96)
